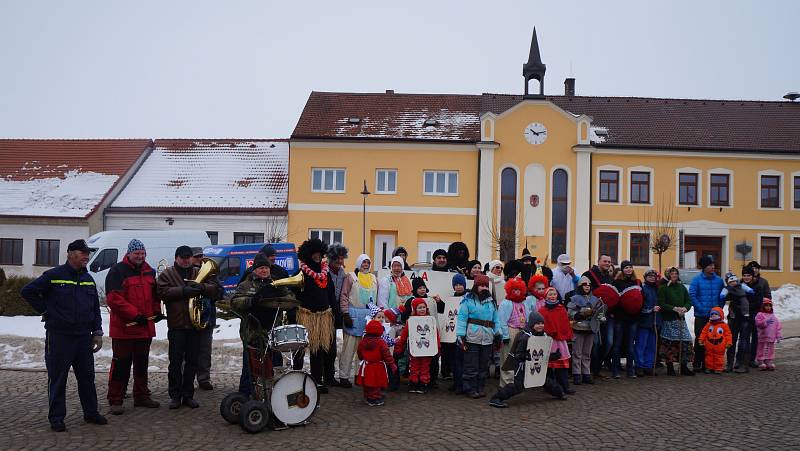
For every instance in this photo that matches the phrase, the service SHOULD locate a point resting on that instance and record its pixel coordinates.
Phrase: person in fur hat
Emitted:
(512, 314)
(769, 333)
(478, 328)
(715, 339)
(316, 312)
(376, 364)
(458, 257)
(419, 367)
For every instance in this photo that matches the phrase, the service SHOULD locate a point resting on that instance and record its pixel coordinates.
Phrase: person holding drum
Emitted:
(316, 311)
(251, 300)
(359, 290)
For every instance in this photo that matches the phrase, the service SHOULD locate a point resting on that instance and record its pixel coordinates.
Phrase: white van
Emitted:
(108, 248)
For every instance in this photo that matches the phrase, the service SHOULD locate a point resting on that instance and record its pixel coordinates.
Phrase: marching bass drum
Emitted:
(294, 398)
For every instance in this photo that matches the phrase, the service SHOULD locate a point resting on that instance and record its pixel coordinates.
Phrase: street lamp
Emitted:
(364, 193)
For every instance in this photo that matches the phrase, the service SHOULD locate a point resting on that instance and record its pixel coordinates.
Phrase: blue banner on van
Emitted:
(234, 259)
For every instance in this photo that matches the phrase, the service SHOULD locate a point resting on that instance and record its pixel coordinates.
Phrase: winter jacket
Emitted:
(170, 285)
(769, 327)
(375, 358)
(556, 322)
(739, 306)
(257, 318)
(761, 290)
(507, 308)
(704, 293)
(597, 276)
(648, 318)
(564, 283)
(68, 300)
(473, 308)
(575, 306)
(671, 296)
(131, 291)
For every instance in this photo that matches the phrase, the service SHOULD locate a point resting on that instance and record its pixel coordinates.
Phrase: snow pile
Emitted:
(419, 123)
(75, 195)
(786, 302)
(598, 134)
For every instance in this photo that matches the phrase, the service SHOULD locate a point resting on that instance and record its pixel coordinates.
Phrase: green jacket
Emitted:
(671, 296)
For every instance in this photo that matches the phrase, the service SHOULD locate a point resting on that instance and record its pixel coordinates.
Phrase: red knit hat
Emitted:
(374, 328)
(415, 303)
(480, 281)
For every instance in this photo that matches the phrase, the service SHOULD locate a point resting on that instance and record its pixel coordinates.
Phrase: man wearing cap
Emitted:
(175, 288)
(131, 297)
(277, 271)
(439, 262)
(704, 292)
(564, 278)
(206, 335)
(66, 296)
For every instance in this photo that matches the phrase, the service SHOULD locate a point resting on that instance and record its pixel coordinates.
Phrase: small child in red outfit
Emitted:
(715, 339)
(419, 367)
(376, 362)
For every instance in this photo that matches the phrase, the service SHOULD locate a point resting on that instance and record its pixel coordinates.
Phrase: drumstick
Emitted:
(133, 323)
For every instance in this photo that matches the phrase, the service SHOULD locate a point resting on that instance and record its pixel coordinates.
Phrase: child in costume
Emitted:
(419, 367)
(516, 359)
(376, 364)
(557, 326)
(537, 287)
(478, 329)
(769, 333)
(512, 314)
(715, 339)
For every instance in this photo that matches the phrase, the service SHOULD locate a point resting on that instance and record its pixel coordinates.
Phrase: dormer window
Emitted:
(354, 120)
(431, 123)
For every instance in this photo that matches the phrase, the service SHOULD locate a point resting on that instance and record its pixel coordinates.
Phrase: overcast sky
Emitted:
(158, 69)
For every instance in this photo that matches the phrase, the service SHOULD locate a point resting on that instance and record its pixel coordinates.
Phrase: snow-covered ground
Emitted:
(22, 338)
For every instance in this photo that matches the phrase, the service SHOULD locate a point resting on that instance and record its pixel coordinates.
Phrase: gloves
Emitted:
(140, 320)
(159, 317)
(461, 343)
(347, 320)
(555, 355)
(194, 284)
(190, 292)
(97, 343)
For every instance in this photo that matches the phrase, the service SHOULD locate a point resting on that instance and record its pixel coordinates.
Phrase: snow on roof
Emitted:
(210, 175)
(74, 196)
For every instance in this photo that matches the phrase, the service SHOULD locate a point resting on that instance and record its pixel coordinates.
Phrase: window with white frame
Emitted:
(770, 252)
(719, 190)
(770, 191)
(327, 180)
(640, 187)
(688, 183)
(328, 236)
(796, 191)
(609, 186)
(796, 253)
(639, 251)
(386, 181)
(608, 244)
(441, 183)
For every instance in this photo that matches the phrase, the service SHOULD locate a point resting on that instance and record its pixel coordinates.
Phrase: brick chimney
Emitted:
(569, 87)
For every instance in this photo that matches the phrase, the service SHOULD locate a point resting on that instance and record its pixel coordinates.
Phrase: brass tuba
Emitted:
(197, 308)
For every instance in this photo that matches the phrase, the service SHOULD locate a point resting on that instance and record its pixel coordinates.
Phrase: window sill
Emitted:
(44, 266)
(327, 192)
(441, 194)
(11, 264)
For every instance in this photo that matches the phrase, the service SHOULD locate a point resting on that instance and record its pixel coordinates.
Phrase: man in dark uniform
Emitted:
(67, 297)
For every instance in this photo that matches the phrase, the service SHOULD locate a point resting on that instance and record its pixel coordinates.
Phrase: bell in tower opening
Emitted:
(534, 69)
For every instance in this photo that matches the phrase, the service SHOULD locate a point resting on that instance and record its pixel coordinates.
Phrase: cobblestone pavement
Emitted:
(752, 411)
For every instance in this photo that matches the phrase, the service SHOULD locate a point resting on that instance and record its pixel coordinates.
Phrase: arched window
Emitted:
(508, 214)
(560, 190)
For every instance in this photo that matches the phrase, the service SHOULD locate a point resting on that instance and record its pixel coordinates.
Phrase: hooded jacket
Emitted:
(739, 304)
(768, 326)
(375, 357)
(131, 291)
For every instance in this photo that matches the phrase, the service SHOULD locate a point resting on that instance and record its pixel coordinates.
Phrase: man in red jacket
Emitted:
(135, 308)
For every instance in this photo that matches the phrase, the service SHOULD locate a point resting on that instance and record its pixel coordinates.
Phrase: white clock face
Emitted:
(535, 133)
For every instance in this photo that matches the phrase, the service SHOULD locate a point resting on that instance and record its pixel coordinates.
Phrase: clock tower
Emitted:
(534, 69)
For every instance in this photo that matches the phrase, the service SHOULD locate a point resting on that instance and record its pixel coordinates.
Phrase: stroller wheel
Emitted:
(253, 416)
(231, 405)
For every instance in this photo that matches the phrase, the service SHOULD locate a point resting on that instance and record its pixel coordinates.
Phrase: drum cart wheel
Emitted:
(253, 416)
(231, 405)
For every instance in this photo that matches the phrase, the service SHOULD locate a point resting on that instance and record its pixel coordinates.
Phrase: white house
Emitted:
(235, 190)
(53, 192)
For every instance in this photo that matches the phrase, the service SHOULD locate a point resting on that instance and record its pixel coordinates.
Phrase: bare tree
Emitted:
(501, 243)
(659, 222)
(275, 229)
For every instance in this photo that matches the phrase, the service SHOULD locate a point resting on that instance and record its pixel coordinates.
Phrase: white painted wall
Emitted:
(29, 234)
(224, 225)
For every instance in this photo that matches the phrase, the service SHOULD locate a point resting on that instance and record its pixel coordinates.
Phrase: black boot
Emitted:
(670, 369)
(685, 371)
(563, 379)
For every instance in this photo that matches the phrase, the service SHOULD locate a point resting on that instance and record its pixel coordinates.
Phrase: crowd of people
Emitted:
(595, 320)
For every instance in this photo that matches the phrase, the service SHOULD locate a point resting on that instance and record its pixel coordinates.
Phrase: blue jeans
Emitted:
(645, 348)
(624, 332)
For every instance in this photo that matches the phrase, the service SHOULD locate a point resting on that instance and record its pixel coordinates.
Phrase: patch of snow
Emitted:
(597, 134)
(411, 124)
(786, 302)
(74, 195)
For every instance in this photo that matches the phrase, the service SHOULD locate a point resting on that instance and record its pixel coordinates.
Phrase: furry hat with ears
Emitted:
(335, 251)
(309, 248)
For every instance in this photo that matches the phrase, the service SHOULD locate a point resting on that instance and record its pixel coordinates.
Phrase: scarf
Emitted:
(403, 285)
(365, 280)
(320, 278)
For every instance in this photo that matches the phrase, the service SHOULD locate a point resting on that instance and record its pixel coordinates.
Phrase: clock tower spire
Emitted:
(534, 69)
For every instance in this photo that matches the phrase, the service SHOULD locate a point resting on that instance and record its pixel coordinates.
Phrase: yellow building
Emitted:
(558, 174)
